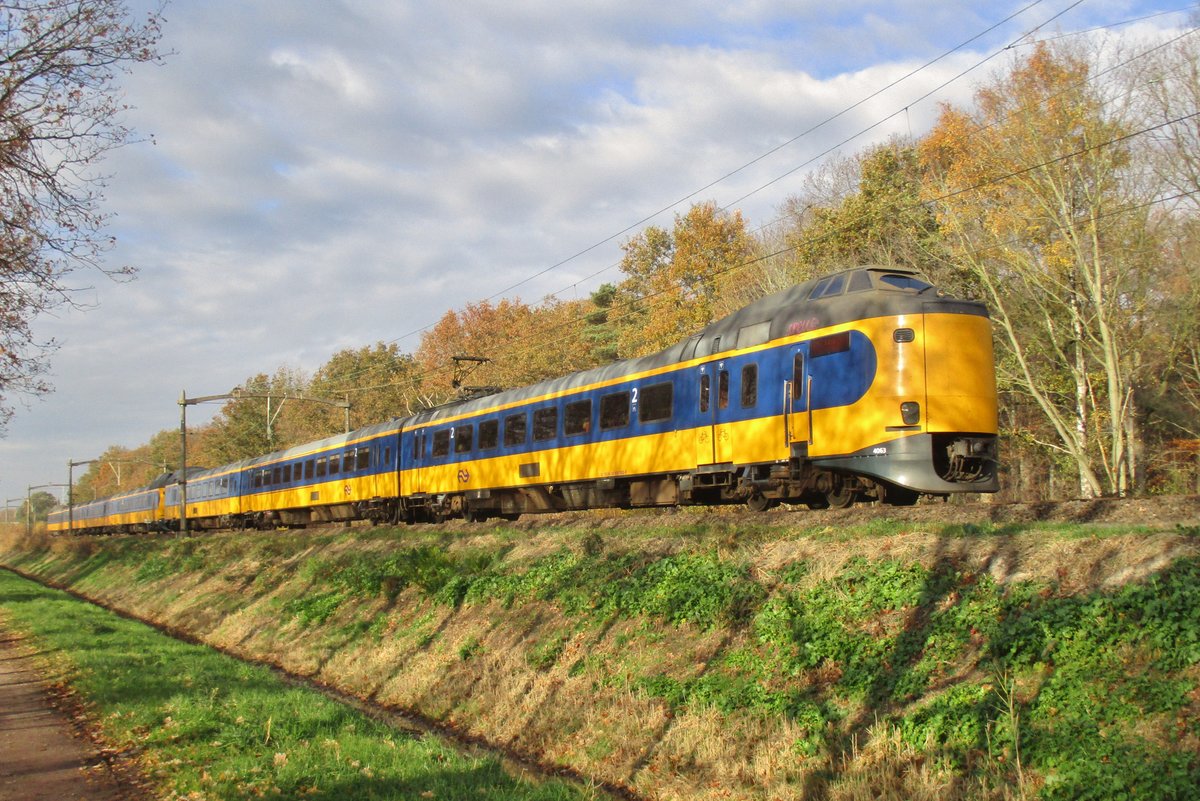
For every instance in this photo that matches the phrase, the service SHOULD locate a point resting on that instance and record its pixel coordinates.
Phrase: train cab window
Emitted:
(545, 424)
(828, 287)
(308, 469)
(749, 385)
(577, 418)
(321, 467)
(723, 390)
(464, 439)
(516, 429)
(489, 434)
(860, 281)
(614, 410)
(705, 392)
(362, 458)
(441, 442)
(906, 282)
(657, 403)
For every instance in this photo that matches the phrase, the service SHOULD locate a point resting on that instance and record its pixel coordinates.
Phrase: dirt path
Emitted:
(41, 758)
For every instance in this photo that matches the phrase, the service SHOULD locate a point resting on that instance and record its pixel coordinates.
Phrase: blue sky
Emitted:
(322, 175)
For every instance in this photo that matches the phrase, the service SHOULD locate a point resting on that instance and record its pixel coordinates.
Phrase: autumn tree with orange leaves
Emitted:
(1033, 193)
(674, 278)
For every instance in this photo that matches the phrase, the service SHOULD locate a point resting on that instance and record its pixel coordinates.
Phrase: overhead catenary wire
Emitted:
(878, 123)
(649, 302)
(812, 129)
(534, 336)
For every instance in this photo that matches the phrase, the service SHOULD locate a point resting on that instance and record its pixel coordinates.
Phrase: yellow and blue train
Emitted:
(864, 385)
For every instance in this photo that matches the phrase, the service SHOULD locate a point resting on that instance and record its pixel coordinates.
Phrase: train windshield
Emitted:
(908, 283)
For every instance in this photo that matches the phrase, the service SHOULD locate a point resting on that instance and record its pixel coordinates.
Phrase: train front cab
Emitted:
(928, 424)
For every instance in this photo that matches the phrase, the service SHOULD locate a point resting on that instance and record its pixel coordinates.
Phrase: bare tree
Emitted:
(60, 113)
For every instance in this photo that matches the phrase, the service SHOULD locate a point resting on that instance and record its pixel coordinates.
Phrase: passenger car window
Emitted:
(749, 385)
(656, 403)
(441, 442)
(577, 418)
(489, 434)
(516, 429)
(614, 410)
(545, 423)
(463, 438)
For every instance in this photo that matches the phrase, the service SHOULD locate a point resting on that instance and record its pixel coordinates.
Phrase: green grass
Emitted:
(1017, 688)
(216, 726)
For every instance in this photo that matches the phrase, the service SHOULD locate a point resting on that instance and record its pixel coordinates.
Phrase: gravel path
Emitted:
(41, 758)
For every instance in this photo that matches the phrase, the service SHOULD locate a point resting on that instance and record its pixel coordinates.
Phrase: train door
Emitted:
(714, 443)
(797, 389)
(420, 463)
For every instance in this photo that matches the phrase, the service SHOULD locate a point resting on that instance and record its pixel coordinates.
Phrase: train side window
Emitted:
(614, 410)
(348, 462)
(657, 403)
(321, 463)
(489, 434)
(418, 441)
(277, 475)
(363, 458)
(749, 385)
(705, 391)
(464, 438)
(441, 442)
(335, 464)
(516, 429)
(297, 473)
(577, 418)
(723, 390)
(545, 423)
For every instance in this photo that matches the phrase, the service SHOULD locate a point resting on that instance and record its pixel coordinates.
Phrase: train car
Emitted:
(863, 385)
(346, 477)
(135, 511)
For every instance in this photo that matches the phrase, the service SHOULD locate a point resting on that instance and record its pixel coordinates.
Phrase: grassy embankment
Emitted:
(208, 726)
(703, 657)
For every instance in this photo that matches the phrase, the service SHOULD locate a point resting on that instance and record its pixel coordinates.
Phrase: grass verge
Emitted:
(208, 726)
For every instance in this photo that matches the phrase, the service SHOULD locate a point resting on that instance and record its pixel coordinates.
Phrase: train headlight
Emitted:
(910, 413)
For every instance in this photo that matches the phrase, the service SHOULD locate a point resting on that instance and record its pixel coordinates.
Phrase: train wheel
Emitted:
(839, 495)
(759, 502)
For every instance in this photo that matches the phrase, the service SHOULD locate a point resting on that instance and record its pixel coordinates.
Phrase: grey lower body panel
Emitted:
(911, 462)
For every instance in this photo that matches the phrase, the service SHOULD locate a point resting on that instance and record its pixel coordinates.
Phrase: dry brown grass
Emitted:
(563, 690)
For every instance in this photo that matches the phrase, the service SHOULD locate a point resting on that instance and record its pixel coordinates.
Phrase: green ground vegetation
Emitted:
(977, 661)
(213, 727)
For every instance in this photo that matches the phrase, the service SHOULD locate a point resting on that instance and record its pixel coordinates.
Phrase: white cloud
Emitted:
(328, 175)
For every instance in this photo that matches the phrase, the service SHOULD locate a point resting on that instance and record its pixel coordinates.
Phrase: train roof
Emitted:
(852, 294)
